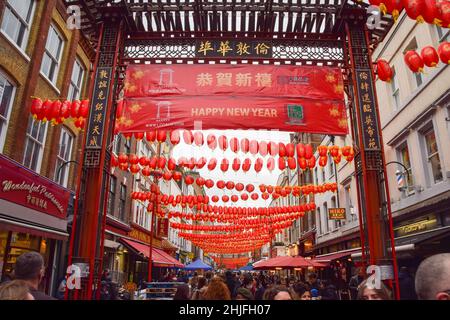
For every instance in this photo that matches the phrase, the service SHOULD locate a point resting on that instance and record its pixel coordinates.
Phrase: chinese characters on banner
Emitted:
(98, 109)
(367, 110)
(233, 48)
(288, 98)
(336, 213)
(163, 227)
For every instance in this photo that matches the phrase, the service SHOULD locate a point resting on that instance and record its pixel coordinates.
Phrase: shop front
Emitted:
(33, 217)
(306, 244)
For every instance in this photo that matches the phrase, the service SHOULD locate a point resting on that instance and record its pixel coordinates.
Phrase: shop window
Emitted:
(76, 81)
(17, 21)
(111, 195)
(52, 55)
(432, 155)
(395, 90)
(34, 147)
(7, 92)
(63, 157)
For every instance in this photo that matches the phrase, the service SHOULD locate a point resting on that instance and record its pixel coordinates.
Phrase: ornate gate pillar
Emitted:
(87, 238)
(377, 239)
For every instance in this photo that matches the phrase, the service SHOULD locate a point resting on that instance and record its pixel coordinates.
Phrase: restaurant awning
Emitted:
(288, 262)
(159, 257)
(327, 258)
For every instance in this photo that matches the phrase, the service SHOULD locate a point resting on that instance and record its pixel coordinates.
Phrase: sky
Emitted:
(263, 177)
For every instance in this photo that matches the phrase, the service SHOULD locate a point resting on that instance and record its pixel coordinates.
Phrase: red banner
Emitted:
(288, 98)
(26, 188)
(163, 227)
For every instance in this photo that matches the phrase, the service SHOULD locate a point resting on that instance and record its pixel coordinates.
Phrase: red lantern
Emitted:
(198, 138)
(414, 9)
(234, 198)
(245, 145)
(201, 163)
(445, 13)
(209, 183)
(212, 141)
(432, 12)
(291, 163)
(259, 163)
(265, 196)
(114, 161)
(224, 165)
(290, 150)
(223, 143)
(311, 162)
(270, 164)
(239, 187)
(36, 107)
(215, 199)
(167, 175)
(230, 185)
(75, 109)
(123, 158)
(146, 171)
(162, 162)
(254, 196)
(236, 164)
(225, 198)
(250, 188)
(246, 165)
(84, 109)
(281, 150)
(444, 52)
(281, 163)
(144, 161)
(150, 136)
(188, 137)
(323, 150)
(175, 137)
(394, 7)
(234, 145)
(384, 70)
(191, 163)
(134, 168)
(171, 164)
(220, 184)
(153, 162)
(177, 175)
(127, 135)
(161, 135)
(308, 151)
(254, 147)
(212, 164)
(244, 196)
(139, 136)
(65, 110)
(189, 180)
(200, 181)
(334, 151)
(430, 56)
(414, 61)
(323, 161)
(337, 159)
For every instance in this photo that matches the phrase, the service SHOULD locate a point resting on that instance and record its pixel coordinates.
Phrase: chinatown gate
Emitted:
(304, 32)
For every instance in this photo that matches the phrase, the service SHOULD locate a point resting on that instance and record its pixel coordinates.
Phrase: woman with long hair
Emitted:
(217, 290)
(367, 292)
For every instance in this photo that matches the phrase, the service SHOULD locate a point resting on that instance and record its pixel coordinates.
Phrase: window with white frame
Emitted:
(417, 77)
(325, 216)
(52, 55)
(403, 155)
(395, 90)
(17, 21)
(432, 155)
(34, 145)
(7, 92)
(348, 202)
(64, 155)
(76, 81)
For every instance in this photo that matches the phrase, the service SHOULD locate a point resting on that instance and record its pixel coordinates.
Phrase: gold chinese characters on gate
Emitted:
(229, 79)
(233, 49)
(98, 111)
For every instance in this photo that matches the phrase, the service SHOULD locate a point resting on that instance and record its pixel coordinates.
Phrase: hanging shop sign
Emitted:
(336, 213)
(212, 48)
(26, 188)
(302, 99)
(98, 109)
(139, 235)
(163, 227)
(368, 113)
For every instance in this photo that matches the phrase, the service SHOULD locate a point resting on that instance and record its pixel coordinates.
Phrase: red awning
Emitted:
(288, 262)
(159, 257)
(271, 263)
(327, 258)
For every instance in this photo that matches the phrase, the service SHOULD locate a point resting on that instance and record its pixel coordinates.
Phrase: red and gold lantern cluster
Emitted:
(428, 56)
(58, 111)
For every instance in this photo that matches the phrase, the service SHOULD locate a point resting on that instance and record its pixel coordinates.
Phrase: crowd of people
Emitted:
(431, 282)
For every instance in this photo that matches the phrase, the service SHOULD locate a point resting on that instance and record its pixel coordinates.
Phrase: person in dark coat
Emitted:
(328, 291)
(231, 283)
(406, 283)
(355, 281)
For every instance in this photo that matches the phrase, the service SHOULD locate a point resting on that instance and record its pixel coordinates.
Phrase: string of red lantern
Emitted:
(57, 112)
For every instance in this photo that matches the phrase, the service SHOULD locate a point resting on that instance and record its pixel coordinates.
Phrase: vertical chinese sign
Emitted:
(370, 134)
(98, 109)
